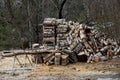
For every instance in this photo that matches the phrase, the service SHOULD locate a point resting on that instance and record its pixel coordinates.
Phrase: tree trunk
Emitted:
(61, 8)
(12, 18)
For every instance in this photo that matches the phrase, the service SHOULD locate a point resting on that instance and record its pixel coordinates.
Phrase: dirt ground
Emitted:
(108, 70)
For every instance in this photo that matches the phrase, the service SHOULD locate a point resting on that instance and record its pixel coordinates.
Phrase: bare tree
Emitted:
(12, 20)
(59, 4)
(61, 8)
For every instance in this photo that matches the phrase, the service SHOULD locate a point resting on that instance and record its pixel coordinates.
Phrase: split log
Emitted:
(78, 48)
(51, 61)
(62, 43)
(82, 34)
(49, 33)
(97, 56)
(57, 58)
(73, 45)
(59, 30)
(93, 41)
(49, 21)
(78, 40)
(49, 39)
(81, 53)
(69, 40)
(104, 48)
(62, 26)
(117, 52)
(82, 57)
(71, 37)
(91, 58)
(65, 60)
(109, 54)
(105, 42)
(86, 44)
(60, 21)
(35, 45)
(86, 52)
(103, 58)
(96, 59)
(81, 26)
(67, 51)
(49, 28)
(72, 30)
(73, 57)
(47, 58)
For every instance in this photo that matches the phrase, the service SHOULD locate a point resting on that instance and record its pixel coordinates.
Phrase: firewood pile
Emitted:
(75, 42)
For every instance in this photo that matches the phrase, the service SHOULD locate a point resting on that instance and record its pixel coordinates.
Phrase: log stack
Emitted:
(61, 30)
(57, 58)
(49, 29)
(82, 42)
(72, 42)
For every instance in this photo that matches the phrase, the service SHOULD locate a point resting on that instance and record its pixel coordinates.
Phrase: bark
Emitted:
(61, 8)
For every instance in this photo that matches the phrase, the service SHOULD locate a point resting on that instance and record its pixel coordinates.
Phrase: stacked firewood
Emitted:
(76, 42)
(49, 26)
(61, 30)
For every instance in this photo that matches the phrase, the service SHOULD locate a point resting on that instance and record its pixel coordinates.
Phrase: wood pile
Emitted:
(69, 42)
(80, 42)
(49, 29)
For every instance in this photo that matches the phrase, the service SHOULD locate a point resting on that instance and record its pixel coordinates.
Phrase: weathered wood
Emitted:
(28, 52)
(57, 58)
(35, 45)
(81, 53)
(60, 21)
(104, 48)
(38, 58)
(82, 58)
(82, 34)
(65, 60)
(69, 41)
(96, 59)
(103, 58)
(51, 61)
(79, 41)
(47, 58)
(110, 54)
(86, 44)
(72, 30)
(67, 51)
(73, 45)
(73, 57)
(91, 58)
(49, 21)
(78, 48)
(93, 41)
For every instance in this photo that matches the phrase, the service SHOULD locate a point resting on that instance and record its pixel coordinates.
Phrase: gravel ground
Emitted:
(109, 70)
